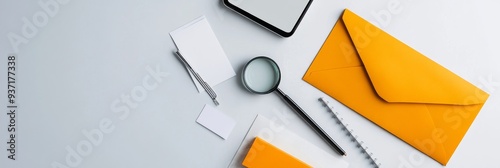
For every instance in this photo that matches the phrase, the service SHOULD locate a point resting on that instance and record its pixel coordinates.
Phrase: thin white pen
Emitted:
(204, 84)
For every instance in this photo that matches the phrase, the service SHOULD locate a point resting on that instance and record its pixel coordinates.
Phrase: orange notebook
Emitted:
(264, 154)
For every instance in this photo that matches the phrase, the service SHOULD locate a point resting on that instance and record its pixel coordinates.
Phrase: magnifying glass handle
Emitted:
(311, 123)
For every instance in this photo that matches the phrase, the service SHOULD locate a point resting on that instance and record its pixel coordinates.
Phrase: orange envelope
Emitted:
(396, 87)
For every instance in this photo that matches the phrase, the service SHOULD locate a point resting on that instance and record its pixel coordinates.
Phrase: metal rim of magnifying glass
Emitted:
(277, 69)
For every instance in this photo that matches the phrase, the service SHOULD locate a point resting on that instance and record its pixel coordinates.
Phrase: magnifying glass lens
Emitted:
(261, 75)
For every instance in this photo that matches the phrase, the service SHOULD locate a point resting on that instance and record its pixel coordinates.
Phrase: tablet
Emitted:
(279, 16)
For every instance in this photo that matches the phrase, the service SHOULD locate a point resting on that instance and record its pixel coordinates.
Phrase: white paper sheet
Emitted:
(216, 121)
(288, 142)
(199, 46)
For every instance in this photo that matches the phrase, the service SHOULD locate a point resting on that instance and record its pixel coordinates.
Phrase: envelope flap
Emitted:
(337, 52)
(399, 73)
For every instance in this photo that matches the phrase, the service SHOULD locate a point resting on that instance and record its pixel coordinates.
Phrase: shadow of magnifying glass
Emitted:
(261, 75)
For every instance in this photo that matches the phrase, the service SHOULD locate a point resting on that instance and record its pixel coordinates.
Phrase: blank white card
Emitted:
(216, 121)
(199, 46)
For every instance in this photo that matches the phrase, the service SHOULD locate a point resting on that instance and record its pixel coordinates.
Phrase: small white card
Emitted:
(200, 48)
(216, 121)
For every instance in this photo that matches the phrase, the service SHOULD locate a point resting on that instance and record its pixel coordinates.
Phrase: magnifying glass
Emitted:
(261, 75)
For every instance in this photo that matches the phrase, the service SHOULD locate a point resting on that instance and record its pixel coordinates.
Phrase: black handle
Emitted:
(311, 123)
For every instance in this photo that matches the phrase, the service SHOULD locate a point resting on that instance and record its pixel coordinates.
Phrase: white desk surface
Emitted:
(91, 53)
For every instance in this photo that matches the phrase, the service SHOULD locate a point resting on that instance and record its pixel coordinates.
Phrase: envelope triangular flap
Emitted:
(401, 74)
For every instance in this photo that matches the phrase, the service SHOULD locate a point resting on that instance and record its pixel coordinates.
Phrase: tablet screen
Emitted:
(283, 14)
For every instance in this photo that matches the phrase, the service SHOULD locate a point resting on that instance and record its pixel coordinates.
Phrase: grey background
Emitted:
(92, 52)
